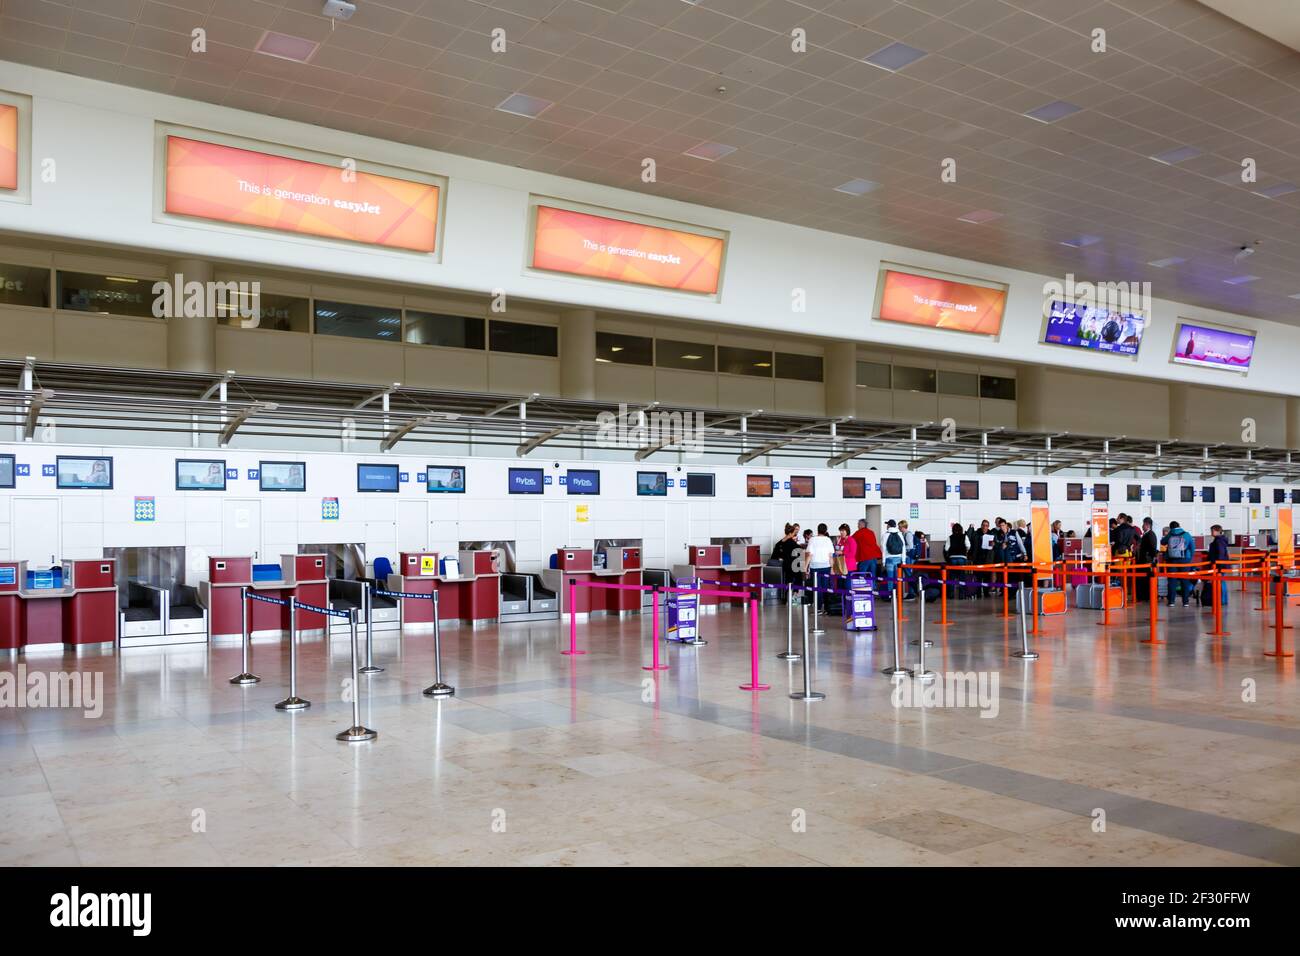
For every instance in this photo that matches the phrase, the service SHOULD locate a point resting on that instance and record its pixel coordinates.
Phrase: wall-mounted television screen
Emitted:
(1074, 491)
(1038, 491)
(1256, 496)
(73, 472)
(940, 303)
(1081, 326)
(282, 475)
(1100, 493)
(1133, 493)
(653, 484)
(1234, 496)
(1212, 347)
(1279, 496)
(1207, 494)
(1010, 490)
(936, 489)
(7, 469)
(758, 486)
(699, 485)
(803, 486)
(445, 479)
(377, 478)
(1157, 494)
(1187, 494)
(968, 490)
(891, 488)
(854, 488)
(526, 481)
(1295, 496)
(200, 475)
(582, 482)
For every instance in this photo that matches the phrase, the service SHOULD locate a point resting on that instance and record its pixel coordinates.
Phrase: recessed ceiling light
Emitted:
(616, 348)
(1240, 280)
(693, 358)
(895, 56)
(1281, 189)
(521, 104)
(1051, 112)
(286, 47)
(1180, 155)
(857, 187)
(1295, 296)
(1164, 263)
(605, 360)
(762, 365)
(1081, 241)
(980, 216)
(710, 151)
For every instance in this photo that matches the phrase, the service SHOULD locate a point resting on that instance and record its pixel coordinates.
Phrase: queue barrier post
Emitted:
(1006, 592)
(807, 694)
(439, 688)
(1279, 621)
(654, 637)
(943, 597)
(754, 683)
(357, 733)
(922, 674)
(371, 667)
(816, 627)
(1024, 654)
(898, 667)
(293, 702)
(789, 654)
(1033, 573)
(573, 621)
(1216, 601)
(1154, 636)
(244, 677)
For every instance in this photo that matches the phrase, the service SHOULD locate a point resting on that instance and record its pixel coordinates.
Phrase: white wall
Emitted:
(94, 520)
(105, 194)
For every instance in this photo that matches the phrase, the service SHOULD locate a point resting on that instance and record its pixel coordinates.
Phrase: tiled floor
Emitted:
(550, 760)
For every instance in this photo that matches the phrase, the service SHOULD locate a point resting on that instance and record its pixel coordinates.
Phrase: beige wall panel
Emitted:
(254, 352)
(462, 370)
(523, 374)
(800, 398)
(26, 332)
(1212, 415)
(963, 410)
(110, 340)
(624, 383)
(1052, 401)
(742, 393)
(916, 407)
(337, 358)
(875, 404)
(689, 389)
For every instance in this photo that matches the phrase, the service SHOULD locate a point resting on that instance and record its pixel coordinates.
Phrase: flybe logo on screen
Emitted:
(525, 481)
(8, 147)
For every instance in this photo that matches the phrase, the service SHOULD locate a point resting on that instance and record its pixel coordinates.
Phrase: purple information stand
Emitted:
(859, 602)
(684, 615)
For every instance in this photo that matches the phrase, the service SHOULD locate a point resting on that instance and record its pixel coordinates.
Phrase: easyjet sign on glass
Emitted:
(597, 247)
(942, 303)
(8, 147)
(228, 184)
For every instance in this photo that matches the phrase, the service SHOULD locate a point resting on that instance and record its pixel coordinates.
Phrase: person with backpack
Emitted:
(1180, 551)
(895, 553)
(1218, 558)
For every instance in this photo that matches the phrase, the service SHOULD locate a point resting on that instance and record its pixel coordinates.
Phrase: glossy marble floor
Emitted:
(543, 759)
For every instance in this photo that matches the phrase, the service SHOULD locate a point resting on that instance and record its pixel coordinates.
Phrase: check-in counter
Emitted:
(622, 565)
(74, 604)
(472, 594)
(301, 576)
(743, 565)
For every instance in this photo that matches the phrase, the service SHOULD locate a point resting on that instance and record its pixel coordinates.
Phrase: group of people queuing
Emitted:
(814, 558)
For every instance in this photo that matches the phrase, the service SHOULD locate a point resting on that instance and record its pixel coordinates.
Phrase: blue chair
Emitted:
(383, 568)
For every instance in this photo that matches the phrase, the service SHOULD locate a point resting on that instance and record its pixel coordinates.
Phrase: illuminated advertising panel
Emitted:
(1212, 347)
(249, 188)
(941, 303)
(8, 146)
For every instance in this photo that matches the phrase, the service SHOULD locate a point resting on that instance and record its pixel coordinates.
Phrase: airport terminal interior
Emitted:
(649, 433)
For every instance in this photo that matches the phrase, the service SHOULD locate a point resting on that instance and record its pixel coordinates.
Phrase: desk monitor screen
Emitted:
(891, 488)
(758, 486)
(6, 471)
(282, 475)
(653, 484)
(445, 479)
(83, 472)
(583, 482)
(200, 475)
(525, 481)
(854, 488)
(699, 486)
(803, 486)
(377, 478)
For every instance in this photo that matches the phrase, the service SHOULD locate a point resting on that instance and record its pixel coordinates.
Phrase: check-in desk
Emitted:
(622, 566)
(302, 577)
(744, 566)
(72, 605)
(472, 595)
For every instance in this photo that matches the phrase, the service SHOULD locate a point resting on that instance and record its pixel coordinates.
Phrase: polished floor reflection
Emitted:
(1104, 751)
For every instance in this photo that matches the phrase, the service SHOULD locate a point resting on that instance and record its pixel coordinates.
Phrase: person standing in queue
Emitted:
(821, 551)
(1148, 553)
(895, 553)
(784, 552)
(868, 549)
(847, 548)
(1218, 558)
(1180, 549)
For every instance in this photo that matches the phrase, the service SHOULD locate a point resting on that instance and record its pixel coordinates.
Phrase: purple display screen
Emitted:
(1069, 323)
(1214, 348)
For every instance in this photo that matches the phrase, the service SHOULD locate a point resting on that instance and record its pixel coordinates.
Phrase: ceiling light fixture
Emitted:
(521, 104)
(1171, 157)
(282, 46)
(857, 187)
(1051, 112)
(980, 216)
(1240, 280)
(1281, 189)
(709, 152)
(894, 57)
(1081, 241)
(1164, 263)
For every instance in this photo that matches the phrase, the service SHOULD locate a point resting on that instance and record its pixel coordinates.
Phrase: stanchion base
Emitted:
(1025, 655)
(816, 631)
(1218, 633)
(789, 656)
(809, 697)
(654, 667)
(370, 669)
(1152, 643)
(355, 735)
(925, 677)
(755, 686)
(439, 690)
(573, 653)
(895, 671)
(245, 679)
(1278, 654)
(293, 703)
(928, 643)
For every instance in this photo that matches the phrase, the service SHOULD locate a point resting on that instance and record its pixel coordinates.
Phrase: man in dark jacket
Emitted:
(1148, 552)
(1218, 556)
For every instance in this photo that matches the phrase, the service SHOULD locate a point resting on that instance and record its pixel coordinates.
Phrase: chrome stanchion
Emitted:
(922, 675)
(807, 694)
(244, 677)
(898, 668)
(1025, 654)
(369, 599)
(816, 628)
(293, 701)
(357, 732)
(437, 688)
(789, 654)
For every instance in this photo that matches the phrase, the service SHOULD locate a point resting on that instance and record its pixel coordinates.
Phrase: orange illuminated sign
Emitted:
(1040, 535)
(8, 147)
(941, 303)
(597, 247)
(1100, 538)
(1285, 538)
(228, 184)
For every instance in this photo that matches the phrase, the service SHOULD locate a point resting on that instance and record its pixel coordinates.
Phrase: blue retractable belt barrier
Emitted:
(332, 612)
(405, 594)
(267, 600)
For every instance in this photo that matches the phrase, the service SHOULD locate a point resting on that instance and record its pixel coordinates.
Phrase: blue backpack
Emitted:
(1179, 546)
